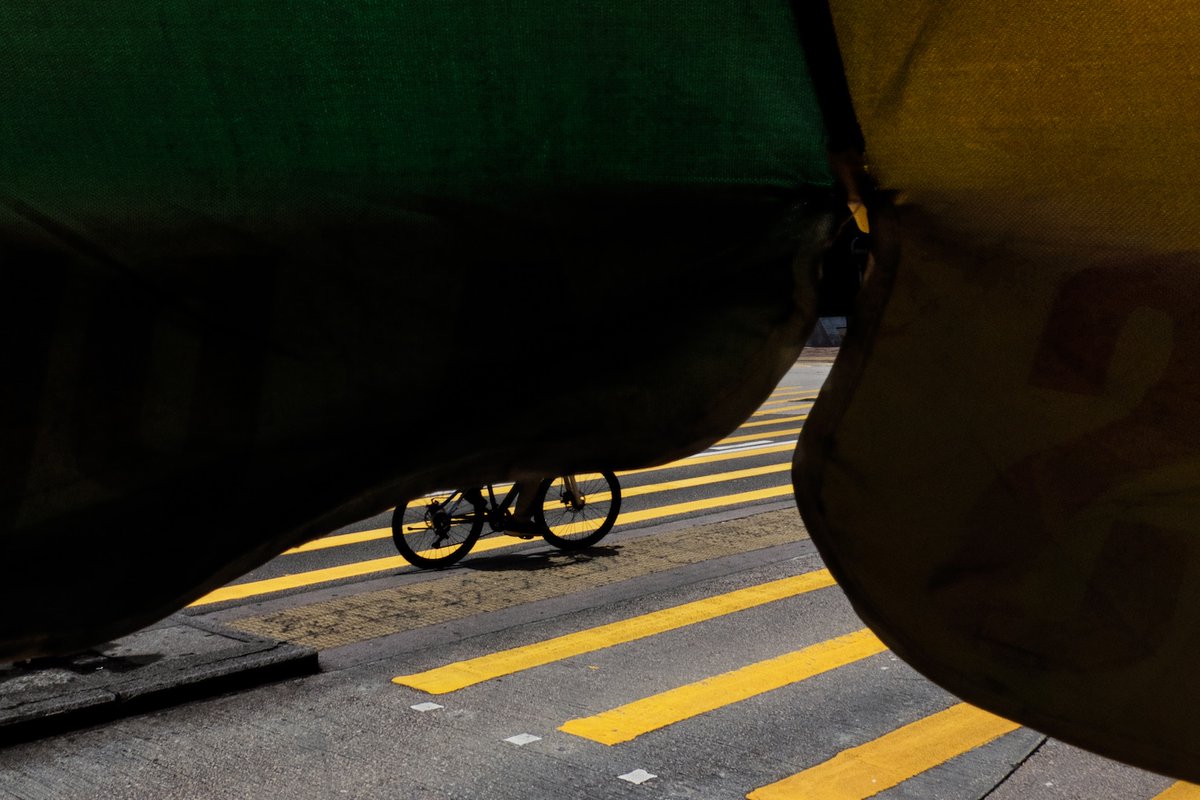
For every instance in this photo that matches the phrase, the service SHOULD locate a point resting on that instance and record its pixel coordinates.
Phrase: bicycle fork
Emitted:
(571, 495)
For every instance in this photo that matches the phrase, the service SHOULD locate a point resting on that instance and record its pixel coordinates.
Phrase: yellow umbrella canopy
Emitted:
(1004, 468)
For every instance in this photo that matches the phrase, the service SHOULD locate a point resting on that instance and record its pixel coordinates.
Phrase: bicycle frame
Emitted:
(493, 510)
(448, 509)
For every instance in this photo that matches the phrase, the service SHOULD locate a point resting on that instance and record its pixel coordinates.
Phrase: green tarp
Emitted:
(149, 109)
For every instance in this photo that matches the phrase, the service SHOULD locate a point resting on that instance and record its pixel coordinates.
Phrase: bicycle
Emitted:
(571, 512)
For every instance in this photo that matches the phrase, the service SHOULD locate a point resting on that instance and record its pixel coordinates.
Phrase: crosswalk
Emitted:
(467, 673)
(631, 720)
(860, 771)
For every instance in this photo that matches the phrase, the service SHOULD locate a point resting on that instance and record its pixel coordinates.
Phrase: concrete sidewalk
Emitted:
(177, 659)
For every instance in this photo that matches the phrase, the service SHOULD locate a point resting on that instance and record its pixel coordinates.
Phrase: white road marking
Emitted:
(522, 739)
(637, 776)
(757, 444)
(422, 707)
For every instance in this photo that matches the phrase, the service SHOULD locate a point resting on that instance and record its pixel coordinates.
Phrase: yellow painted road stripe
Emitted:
(240, 591)
(786, 447)
(340, 540)
(468, 673)
(793, 391)
(1180, 791)
(651, 713)
(704, 480)
(775, 421)
(888, 761)
(782, 407)
(769, 412)
(707, 504)
(792, 396)
(749, 437)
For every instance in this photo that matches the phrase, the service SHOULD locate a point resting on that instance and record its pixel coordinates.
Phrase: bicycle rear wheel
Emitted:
(576, 511)
(436, 532)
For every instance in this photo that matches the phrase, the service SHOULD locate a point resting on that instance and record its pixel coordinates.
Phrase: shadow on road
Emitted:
(539, 561)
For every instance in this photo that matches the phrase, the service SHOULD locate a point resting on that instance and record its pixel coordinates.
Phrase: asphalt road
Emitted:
(700, 651)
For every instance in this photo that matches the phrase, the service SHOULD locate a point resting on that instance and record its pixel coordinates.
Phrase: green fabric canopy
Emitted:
(144, 107)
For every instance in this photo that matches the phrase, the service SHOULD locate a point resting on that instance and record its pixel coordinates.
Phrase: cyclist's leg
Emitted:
(521, 519)
(475, 498)
(526, 497)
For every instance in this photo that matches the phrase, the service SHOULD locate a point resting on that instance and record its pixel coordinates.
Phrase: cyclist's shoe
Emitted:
(524, 528)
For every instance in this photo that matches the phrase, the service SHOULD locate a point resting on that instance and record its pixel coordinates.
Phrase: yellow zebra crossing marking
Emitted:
(792, 393)
(783, 447)
(704, 480)
(241, 591)
(776, 421)
(1180, 791)
(707, 504)
(893, 758)
(629, 721)
(750, 437)
(461, 674)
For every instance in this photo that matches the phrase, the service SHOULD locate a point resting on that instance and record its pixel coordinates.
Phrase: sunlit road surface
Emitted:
(701, 651)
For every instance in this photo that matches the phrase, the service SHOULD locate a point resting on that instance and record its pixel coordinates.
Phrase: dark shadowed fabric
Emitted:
(272, 267)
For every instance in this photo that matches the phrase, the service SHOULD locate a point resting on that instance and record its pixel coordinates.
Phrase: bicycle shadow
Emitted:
(530, 562)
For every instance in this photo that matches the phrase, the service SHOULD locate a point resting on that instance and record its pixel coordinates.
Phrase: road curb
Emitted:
(177, 660)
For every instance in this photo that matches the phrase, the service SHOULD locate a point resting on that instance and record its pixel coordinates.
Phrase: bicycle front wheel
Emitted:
(576, 511)
(433, 532)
